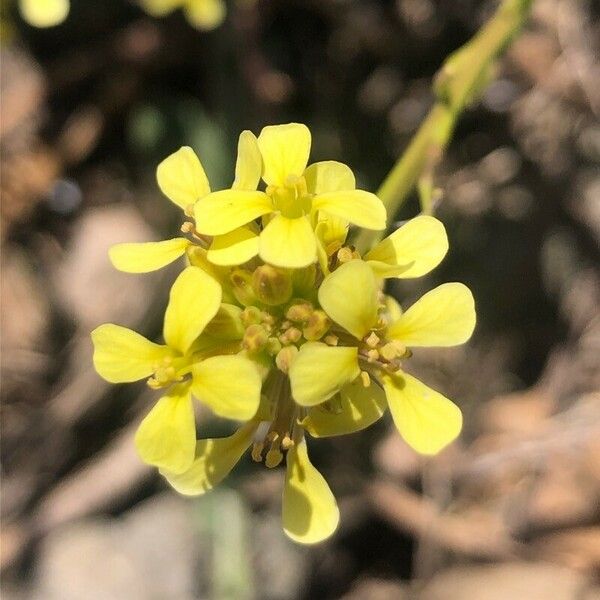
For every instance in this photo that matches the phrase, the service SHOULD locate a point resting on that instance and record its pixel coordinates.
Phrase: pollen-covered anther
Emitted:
(255, 338)
(345, 254)
(257, 450)
(372, 355)
(291, 336)
(390, 351)
(331, 340)
(299, 312)
(271, 285)
(372, 340)
(187, 227)
(317, 326)
(285, 357)
(365, 379)
(286, 442)
(274, 456)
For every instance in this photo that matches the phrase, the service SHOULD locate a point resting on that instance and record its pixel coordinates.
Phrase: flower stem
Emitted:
(461, 80)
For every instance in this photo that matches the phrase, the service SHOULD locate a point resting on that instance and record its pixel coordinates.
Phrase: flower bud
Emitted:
(303, 281)
(242, 286)
(317, 326)
(251, 315)
(271, 285)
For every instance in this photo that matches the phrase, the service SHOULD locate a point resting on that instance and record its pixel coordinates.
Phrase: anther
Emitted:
(344, 254)
(285, 357)
(187, 227)
(372, 341)
(317, 326)
(365, 378)
(390, 351)
(286, 442)
(255, 338)
(273, 458)
(372, 355)
(257, 449)
(331, 340)
(299, 312)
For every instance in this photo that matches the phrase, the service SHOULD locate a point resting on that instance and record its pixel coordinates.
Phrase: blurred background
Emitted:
(91, 106)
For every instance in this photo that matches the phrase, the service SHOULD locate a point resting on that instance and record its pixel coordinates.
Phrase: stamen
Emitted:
(366, 379)
(372, 341)
(257, 449)
(331, 340)
(372, 355)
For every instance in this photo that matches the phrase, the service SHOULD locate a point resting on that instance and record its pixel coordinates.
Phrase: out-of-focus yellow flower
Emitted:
(202, 14)
(295, 196)
(166, 438)
(44, 13)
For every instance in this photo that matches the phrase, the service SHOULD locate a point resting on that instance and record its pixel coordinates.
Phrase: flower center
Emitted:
(292, 199)
(166, 371)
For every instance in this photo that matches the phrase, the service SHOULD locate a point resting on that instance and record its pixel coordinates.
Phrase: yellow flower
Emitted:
(444, 316)
(275, 297)
(44, 13)
(166, 438)
(294, 199)
(182, 179)
(202, 14)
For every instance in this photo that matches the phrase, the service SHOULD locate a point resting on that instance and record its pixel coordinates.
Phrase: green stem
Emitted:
(462, 78)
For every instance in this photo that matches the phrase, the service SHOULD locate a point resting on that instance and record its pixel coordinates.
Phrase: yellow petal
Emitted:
(147, 256)
(44, 13)
(349, 297)
(426, 420)
(194, 300)
(233, 248)
(329, 176)
(393, 310)
(122, 355)
(285, 150)
(411, 251)
(288, 243)
(445, 316)
(214, 460)
(248, 167)
(310, 512)
(166, 438)
(354, 409)
(205, 14)
(229, 385)
(319, 371)
(356, 206)
(181, 178)
(224, 211)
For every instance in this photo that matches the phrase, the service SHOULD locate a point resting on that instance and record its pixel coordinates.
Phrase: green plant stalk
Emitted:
(461, 80)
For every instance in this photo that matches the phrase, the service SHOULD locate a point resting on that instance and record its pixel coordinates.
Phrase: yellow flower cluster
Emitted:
(279, 323)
